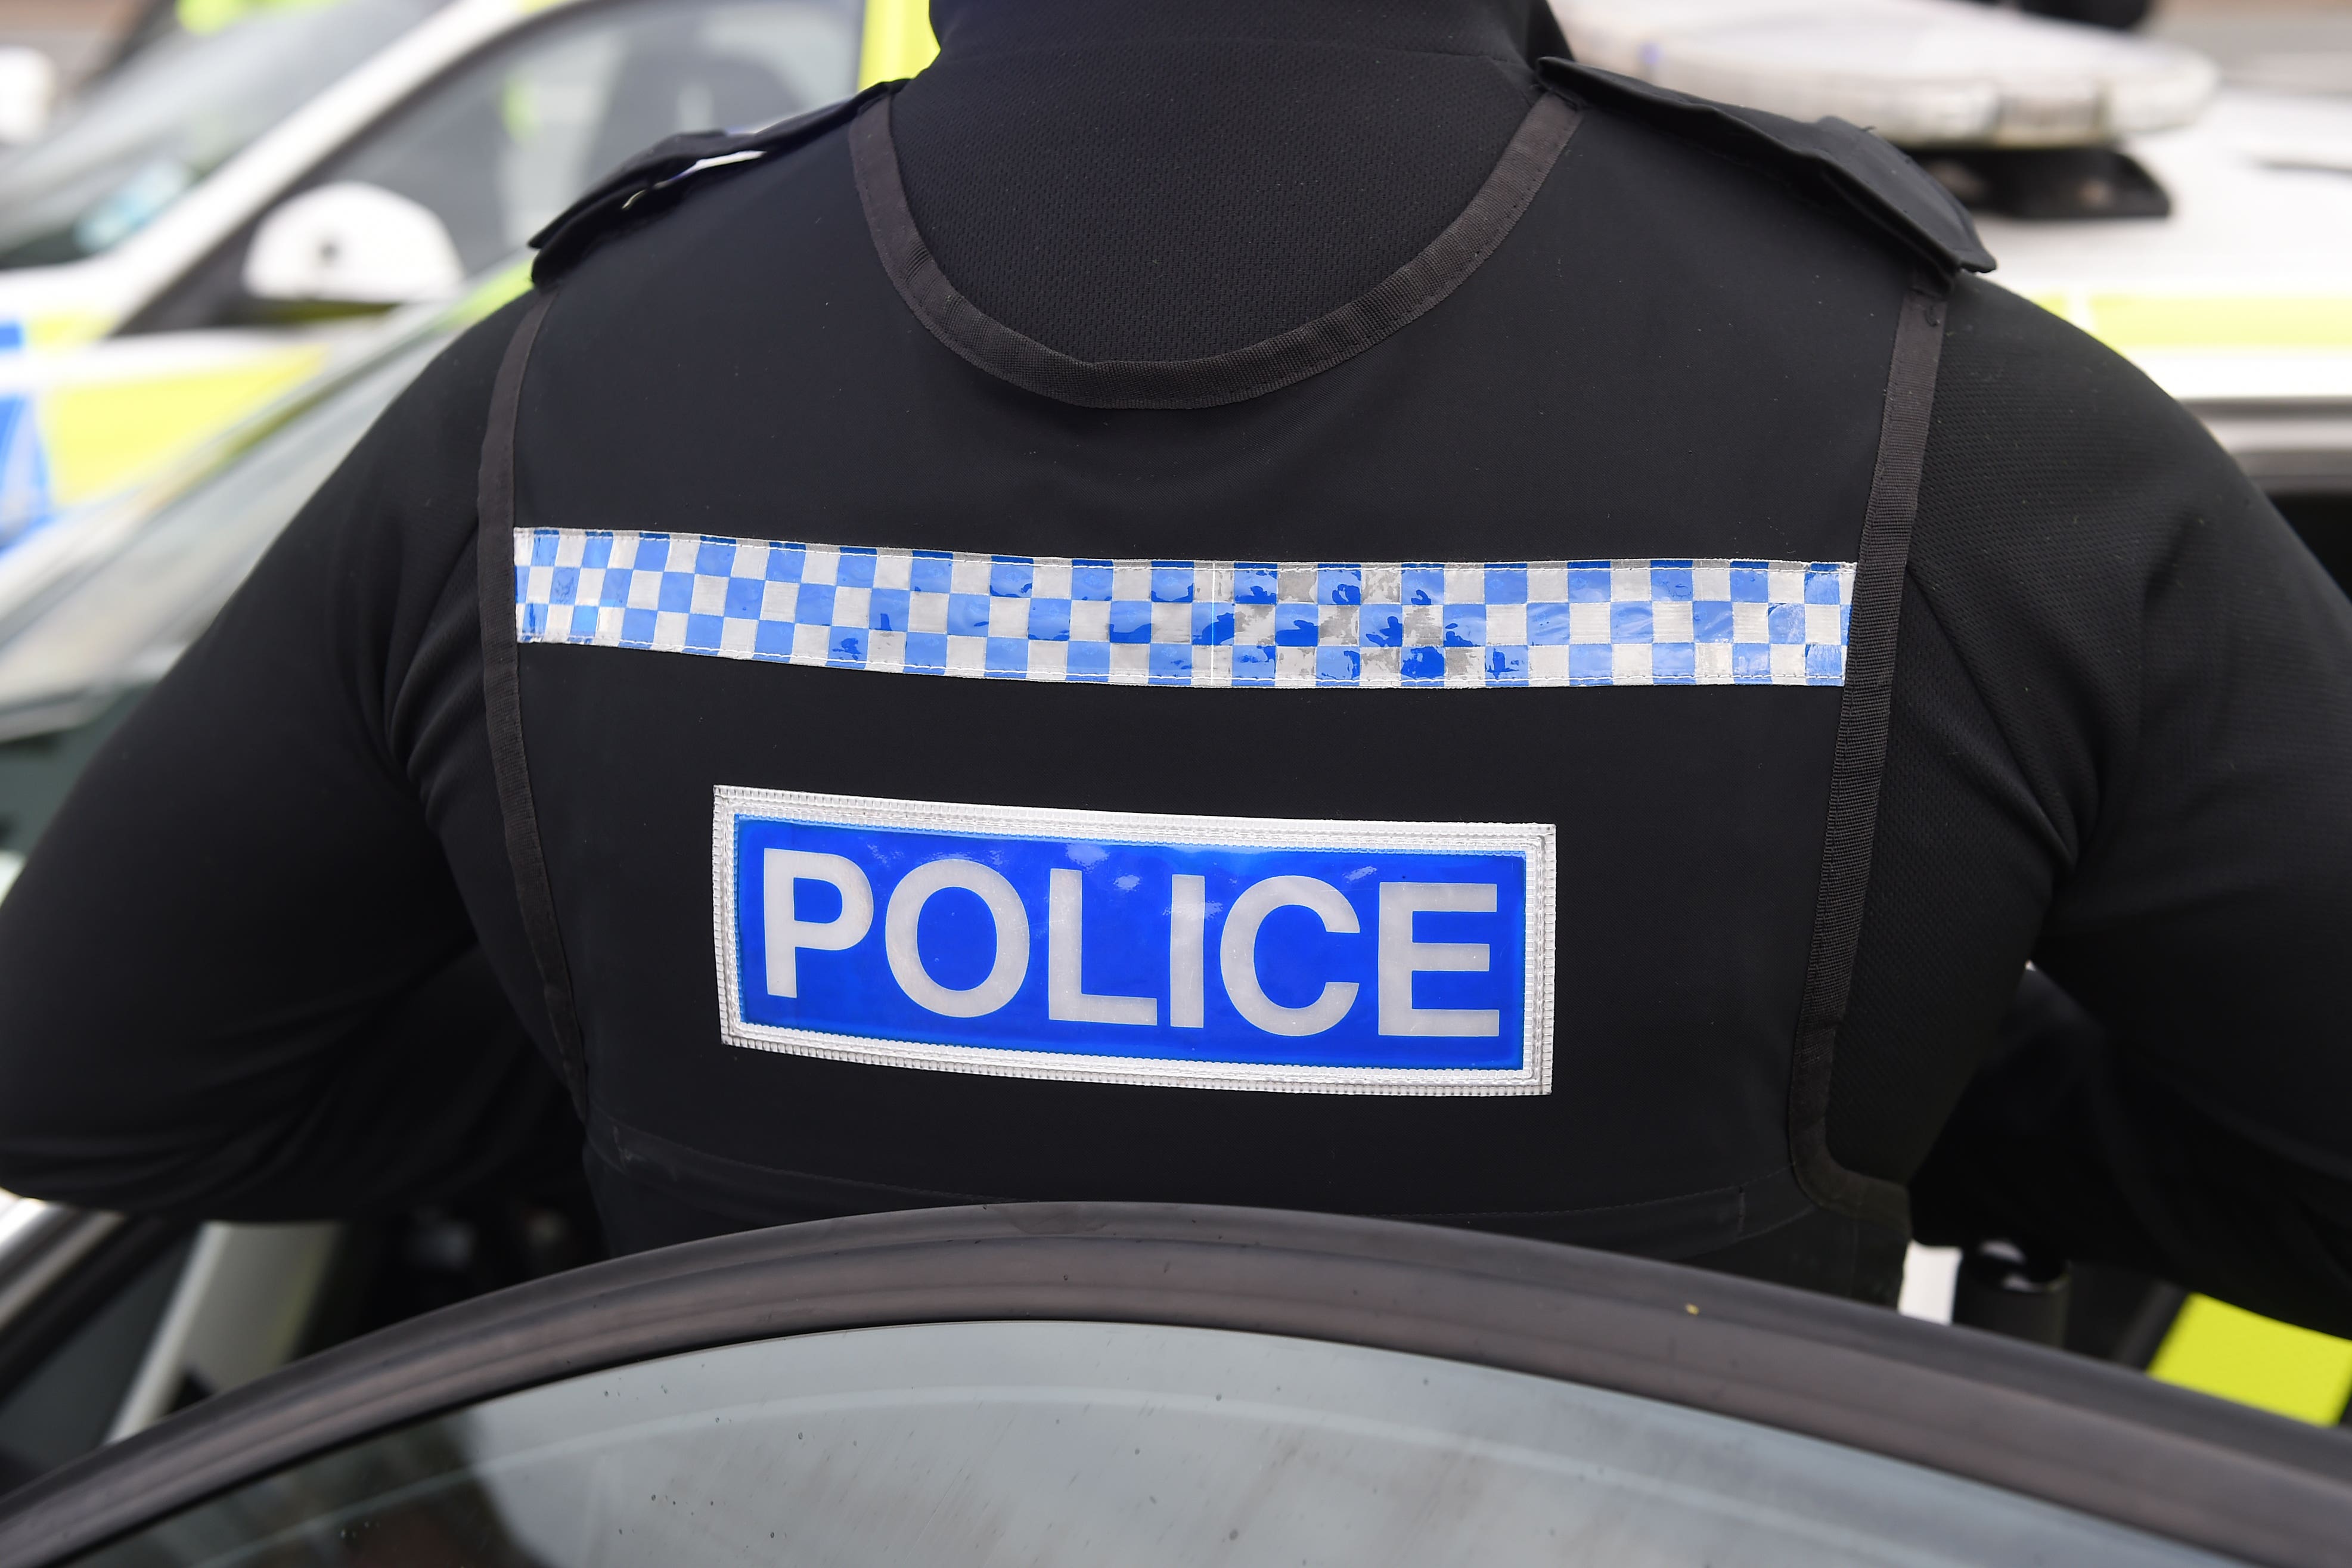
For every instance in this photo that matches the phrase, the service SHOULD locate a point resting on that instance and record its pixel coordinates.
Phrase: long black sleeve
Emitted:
(2123, 740)
(237, 977)
(2072, 1143)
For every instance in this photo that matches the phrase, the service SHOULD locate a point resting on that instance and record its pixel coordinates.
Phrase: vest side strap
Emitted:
(502, 704)
(1253, 371)
(1861, 757)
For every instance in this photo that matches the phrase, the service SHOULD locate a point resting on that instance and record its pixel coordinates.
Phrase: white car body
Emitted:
(2240, 304)
(80, 300)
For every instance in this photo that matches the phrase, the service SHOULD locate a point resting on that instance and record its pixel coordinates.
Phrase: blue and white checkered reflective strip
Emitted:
(1190, 623)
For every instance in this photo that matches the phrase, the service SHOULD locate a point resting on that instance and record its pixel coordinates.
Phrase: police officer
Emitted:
(1255, 601)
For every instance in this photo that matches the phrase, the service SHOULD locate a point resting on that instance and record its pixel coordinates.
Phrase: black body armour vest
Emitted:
(1423, 764)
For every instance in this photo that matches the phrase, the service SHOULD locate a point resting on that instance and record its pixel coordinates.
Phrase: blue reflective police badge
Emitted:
(1123, 948)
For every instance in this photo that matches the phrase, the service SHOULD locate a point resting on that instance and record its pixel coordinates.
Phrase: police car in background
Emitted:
(207, 228)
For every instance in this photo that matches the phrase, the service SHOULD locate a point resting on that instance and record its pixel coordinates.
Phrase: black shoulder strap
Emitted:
(1863, 714)
(1874, 177)
(502, 704)
(652, 180)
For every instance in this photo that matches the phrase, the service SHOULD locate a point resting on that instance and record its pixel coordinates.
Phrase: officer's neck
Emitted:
(1170, 179)
(1504, 29)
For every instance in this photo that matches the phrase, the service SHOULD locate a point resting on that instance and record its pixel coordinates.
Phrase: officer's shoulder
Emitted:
(657, 179)
(1855, 171)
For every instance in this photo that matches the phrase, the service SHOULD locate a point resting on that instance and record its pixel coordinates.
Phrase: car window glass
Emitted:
(1045, 1444)
(189, 101)
(131, 585)
(65, 1403)
(501, 148)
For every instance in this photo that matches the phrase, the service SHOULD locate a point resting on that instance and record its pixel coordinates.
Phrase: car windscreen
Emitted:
(1048, 1443)
(187, 102)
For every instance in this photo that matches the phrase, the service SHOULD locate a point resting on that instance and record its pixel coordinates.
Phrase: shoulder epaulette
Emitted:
(1872, 175)
(654, 180)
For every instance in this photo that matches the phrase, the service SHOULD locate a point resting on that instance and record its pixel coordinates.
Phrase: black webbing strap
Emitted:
(1253, 371)
(1861, 758)
(502, 704)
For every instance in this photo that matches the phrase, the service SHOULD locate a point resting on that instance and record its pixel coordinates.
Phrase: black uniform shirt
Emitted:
(254, 970)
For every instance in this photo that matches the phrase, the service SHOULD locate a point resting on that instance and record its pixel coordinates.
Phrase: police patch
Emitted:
(1117, 948)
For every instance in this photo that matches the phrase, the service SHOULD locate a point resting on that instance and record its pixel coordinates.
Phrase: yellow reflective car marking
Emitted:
(2258, 322)
(898, 40)
(2227, 1351)
(2155, 321)
(106, 434)
(490, 293)
(68, 329)
(212, 15)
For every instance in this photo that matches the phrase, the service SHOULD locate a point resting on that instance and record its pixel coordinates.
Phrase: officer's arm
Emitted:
(2072, 1142)
(2169, 673)
(237, 977)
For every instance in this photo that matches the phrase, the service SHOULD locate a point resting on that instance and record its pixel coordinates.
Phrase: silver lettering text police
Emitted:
(1197, 952)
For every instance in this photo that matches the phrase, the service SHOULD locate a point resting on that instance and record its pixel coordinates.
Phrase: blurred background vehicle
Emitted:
(175, 380)
(206, 224)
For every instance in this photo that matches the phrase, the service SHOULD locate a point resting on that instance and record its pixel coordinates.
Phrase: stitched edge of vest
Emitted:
(1861, 756)
(1685, 1224)
(1239, 374)
(502, 704)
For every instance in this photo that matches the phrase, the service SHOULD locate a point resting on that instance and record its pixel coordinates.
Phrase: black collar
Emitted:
(1504, 29)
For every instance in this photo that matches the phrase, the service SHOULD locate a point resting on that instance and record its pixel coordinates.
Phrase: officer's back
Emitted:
(1266, 605)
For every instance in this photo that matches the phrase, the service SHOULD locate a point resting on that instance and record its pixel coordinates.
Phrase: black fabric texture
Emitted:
(2067, 1142)
(235, 981)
